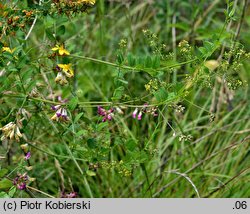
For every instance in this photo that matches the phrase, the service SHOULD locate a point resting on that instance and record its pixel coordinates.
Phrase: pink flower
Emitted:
(101, 111)
(27, 156)
(135, 113)
(145, 109)
(106, 114)
(21, 181)
(69, 195)
(139, 115)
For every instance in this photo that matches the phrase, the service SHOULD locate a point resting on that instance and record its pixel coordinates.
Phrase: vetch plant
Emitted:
(146, 92)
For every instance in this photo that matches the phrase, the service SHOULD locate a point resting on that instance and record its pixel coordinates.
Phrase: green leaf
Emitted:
(5, 184)
(78, 116)
(131, 60)
(8, 55)
(91, 173)
(81, 132)
(206, 70)
(61, 30)
(143, 157)
(48, 21)
(131, 145)
(73, 103)
(122, 81)
(118, 93)
(31, 85)
(120, 58)
(26, 75)
(50, 35)
(140, 62)
(203, 51)
(156, 62)
(101, 126)
(161, 94)
(231, 14)
(4, 195)
(12, 191)
(3, 172)
(22, 61)
(209, 46)
(148, 62)
(181, 25)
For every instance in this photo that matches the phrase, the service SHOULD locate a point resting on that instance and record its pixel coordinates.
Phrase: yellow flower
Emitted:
(60, 49)
(7, 49)
(66, 68)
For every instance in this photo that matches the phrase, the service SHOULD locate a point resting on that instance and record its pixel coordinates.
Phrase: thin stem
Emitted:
(37, 190)
(128, 67)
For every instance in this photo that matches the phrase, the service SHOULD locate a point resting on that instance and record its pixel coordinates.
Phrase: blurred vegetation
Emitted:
(188, 58)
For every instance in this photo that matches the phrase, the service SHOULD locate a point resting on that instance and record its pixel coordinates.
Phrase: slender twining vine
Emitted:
(46, 113)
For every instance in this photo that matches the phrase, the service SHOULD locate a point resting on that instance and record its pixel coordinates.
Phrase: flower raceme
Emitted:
(61, 50)
(21, 181)
(144, 109)
(106, 114)
(61, 78)
(134, 114)
(64, 70)
(60, 115)
(11, 131)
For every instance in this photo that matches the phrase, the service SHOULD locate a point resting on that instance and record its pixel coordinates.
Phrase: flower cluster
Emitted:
(12, 20)
(184, 47)
(60, 115)
(61, 112)
(21, 180)
(7, 49)
(179, 108)
(11, 131)
(185, 137)
(137, 113)
(69, 195)
(152, 85)
(64, 71)
(74, 2)
(70, 7)
(106, 114)
(120, 166)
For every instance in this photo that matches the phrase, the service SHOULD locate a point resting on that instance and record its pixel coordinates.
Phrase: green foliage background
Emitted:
(126, 157)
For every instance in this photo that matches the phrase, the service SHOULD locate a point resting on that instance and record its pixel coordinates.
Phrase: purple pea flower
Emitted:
(106, 114)
(21, 181)
(135, 113)
(139, 115)
(27, 156)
